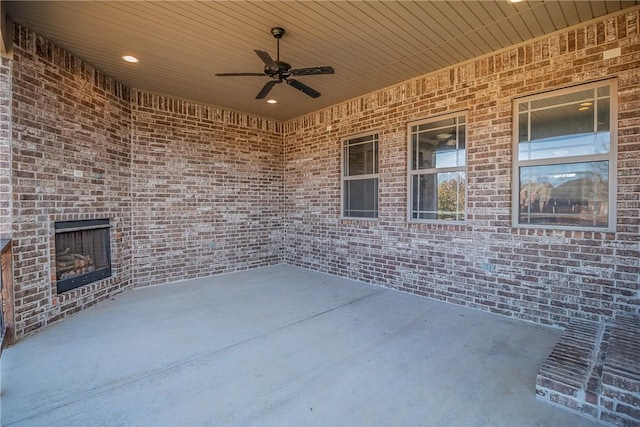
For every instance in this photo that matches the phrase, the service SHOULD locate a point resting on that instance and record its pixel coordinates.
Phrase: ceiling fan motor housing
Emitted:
(282, 69)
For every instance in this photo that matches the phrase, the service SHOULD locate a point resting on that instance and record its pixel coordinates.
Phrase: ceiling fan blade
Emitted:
(303, 88)
(266, 89)
(310, 71)
(266, 58)
(239, 74)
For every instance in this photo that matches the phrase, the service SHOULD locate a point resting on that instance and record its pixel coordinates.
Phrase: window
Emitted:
(437, 169)
(565, 163)
(360, 177)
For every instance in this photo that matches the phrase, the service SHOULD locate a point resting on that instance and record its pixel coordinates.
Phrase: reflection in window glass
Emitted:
(566, 98)
(360, 177)
(438, 169)
(569, 125)
(603, 115)
(563, 175)
(449, 200)
(565, 194)
(361, 156)
(549, 123)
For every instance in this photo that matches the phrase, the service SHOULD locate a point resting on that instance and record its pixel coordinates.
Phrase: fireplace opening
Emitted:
(83, 253)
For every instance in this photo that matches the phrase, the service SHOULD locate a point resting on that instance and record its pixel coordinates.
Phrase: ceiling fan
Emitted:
(280, 71)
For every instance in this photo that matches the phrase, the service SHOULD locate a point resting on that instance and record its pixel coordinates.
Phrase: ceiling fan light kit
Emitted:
(279, 71)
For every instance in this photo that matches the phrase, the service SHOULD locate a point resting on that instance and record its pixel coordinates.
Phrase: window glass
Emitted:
(360, 177)
(566, 98)
(603, 116)
(565, 194)
(438, 169)
(361, 198)
(449, 200)
(578, 125)
(361, 158)
(438, 148)
(563, 173)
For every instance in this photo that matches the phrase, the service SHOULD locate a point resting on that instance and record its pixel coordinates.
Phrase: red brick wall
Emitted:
(203, 177)
(68, 119)
(5, 148)
(175, 178)
(542, 276)
(178, 178)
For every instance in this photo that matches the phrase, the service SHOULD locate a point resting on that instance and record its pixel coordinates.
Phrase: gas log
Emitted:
(69, 265)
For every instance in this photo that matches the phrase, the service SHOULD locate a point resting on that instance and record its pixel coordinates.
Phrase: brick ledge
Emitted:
(594, 371)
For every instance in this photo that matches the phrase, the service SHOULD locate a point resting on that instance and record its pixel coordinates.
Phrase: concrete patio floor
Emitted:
(279, 346)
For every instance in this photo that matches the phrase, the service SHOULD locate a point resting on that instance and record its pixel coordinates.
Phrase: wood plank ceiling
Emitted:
(370, 44)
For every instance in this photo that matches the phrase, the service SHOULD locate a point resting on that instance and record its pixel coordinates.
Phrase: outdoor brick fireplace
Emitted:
(83, 253)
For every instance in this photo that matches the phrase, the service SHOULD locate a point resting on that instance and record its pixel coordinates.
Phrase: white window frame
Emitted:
(611, 156)
(345, 142)
(412, 172)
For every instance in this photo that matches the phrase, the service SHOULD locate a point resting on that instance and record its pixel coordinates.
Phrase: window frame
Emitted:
(411, 172)
(344, 178)
(611, 156)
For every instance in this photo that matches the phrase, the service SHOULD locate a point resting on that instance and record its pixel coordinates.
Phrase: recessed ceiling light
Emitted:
(272, 101)
(586, 104)
(583, 108)
(130, 58)
(515, 1)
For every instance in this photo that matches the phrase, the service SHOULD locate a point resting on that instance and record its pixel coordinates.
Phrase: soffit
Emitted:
(370, 44)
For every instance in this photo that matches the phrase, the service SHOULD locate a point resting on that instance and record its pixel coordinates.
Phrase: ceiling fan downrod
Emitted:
(277, 32)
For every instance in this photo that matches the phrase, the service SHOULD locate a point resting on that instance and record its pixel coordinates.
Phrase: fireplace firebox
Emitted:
(83, 253)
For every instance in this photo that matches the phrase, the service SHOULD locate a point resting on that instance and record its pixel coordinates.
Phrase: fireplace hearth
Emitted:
(83, 253)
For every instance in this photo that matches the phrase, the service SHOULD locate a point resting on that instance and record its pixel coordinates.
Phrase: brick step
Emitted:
(566, 378)
(620, 388)
(594, 370)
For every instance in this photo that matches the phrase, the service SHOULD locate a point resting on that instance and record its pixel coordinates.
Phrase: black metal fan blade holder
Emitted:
(280, 71)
